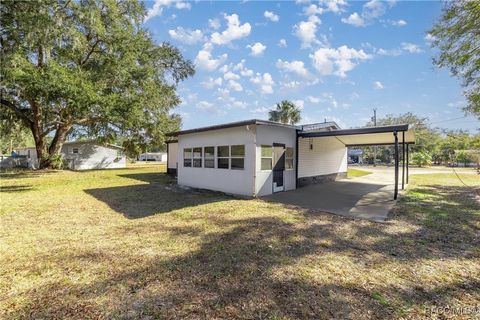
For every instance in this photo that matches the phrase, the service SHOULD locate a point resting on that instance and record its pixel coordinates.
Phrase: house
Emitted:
(355, 156)
(153, 156)
(83, 155)
(258, 157)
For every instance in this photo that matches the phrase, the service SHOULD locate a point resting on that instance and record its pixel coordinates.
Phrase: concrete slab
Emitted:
(368, 197)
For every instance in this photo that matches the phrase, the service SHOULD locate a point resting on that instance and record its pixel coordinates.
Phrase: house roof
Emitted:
(233, 125)
(367, 136)
(94, 142)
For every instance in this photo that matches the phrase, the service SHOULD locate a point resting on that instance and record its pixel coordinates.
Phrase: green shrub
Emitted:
(421, 159)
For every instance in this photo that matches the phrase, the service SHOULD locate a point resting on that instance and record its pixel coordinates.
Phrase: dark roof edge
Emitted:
(345, 132)
(232, 125)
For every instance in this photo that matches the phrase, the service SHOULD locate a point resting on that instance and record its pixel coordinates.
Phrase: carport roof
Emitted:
(367, 136)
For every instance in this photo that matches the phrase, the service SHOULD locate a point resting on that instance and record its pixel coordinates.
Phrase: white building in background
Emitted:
(258, 157)
(153, 156)
(83, 155)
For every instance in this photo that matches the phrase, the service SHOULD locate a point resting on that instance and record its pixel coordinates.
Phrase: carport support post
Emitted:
(395, 193)
(403, 160)
(408, 145)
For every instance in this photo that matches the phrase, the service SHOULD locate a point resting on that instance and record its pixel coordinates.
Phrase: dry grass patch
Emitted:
(127, 244)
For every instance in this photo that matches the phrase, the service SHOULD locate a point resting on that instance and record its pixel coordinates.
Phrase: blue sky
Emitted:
(335, 59)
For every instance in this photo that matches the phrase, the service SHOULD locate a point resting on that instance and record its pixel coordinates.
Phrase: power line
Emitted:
(448, 120)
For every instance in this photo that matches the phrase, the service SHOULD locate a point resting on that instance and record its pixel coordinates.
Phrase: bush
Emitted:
(463, 157)
(56, 161)
(421, 159)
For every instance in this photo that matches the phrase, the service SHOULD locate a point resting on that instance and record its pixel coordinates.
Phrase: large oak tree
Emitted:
(88, 66)
(457, 36)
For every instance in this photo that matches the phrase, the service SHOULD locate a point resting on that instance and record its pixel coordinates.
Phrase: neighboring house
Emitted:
(30, 154)
(172, 156)
(83, 155)
(355, 156)
(153, 156)
(257, 157)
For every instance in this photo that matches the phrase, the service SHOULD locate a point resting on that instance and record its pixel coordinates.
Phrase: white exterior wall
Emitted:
(226, 180)
(268, 135)
(328, 156)
(92, 156)
(172, 154)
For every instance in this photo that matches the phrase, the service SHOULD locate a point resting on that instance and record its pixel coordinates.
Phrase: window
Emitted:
(238, 157)
(187, 157)
(197, 157)
(267, 154)
(223, 154)
(289, 158)
(75, 150)
(209, 157)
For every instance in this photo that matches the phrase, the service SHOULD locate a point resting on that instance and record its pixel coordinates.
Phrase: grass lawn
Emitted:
(127, 244)
(354, 173)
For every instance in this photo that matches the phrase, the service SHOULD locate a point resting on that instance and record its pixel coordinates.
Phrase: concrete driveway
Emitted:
(368, 197)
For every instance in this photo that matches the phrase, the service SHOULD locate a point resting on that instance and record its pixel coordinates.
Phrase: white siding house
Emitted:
(87, 155)
(153, 156)
(255, 157)
(172, 157)
(83, 155)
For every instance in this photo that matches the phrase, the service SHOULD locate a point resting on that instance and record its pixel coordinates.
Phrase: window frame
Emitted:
(205, 158)
(197, 158)
(223, 157)
(232, 157)
(292, 158)
(263, 157)
(190, 158)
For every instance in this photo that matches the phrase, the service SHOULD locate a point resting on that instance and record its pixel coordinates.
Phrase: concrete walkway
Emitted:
(368, 197)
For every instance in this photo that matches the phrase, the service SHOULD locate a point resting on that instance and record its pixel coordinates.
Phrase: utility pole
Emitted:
(374, 119)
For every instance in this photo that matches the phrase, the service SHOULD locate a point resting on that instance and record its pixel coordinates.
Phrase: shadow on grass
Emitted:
(247, 267)
(157, 196)
(15, 188)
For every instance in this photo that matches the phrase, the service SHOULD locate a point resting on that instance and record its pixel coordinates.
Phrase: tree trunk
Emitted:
(59, 139)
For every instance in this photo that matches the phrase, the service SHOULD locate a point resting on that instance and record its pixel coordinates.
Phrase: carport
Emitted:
(400, 136)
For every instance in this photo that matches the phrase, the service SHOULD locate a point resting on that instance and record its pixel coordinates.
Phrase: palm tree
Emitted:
(287, 112)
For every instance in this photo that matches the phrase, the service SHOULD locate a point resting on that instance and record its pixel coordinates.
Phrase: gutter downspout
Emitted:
(296, 158)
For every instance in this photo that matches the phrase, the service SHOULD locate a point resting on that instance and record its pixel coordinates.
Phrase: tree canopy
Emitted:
(86, 67)
(286, 112)
(457, 35)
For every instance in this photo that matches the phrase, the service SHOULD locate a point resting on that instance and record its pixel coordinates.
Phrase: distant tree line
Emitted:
(432, 145)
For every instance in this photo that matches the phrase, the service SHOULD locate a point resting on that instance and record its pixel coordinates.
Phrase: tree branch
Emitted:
(19, 112)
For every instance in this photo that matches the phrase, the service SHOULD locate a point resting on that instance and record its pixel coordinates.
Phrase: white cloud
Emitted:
(261, 110)
(334, 6)
(244, 72)
(313, 99)
(306, 31)
(234, 85)
(214, 23)
(374, 9)
(378, 85)
(205, 105)
(234, 31)
(410, 47)
(398, 23)
(295, 66)
(265, 82)
(429, 38)
(299, 103)
(231, 76)
(186, 35)
(271, 16)
(355, 20)
(291, 84)
(204, 59)
(256, 49)
(282, 43)
(328, 61)
(312, 10)
(157, 8)
(211, 83)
